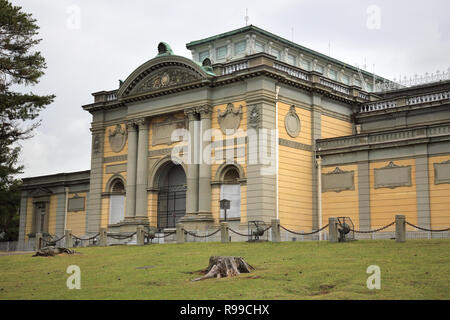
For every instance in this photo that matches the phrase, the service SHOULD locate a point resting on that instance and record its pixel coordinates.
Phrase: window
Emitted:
(203, 55)
(276, 53)
(259, 47)
(221, 53)
(332, 74)
(239, 47)
(304, 64)
(319, 68)
(291, 59)
(345, 79)
(356, 82)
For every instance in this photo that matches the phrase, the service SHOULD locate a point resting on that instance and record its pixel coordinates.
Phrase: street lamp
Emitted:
(225, 204)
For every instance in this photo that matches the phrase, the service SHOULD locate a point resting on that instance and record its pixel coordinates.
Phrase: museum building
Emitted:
(289, 134)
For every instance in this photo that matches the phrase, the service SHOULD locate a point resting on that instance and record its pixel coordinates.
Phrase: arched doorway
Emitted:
(171, 196)
(117, 201)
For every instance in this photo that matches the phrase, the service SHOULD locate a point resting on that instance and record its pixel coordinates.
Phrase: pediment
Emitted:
(40, 192)
(162, 72)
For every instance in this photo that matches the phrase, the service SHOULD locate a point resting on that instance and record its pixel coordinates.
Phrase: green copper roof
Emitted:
(164, 49)
(271, 35)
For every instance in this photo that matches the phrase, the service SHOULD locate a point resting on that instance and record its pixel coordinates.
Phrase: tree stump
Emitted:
(51, 251)
(220, 267)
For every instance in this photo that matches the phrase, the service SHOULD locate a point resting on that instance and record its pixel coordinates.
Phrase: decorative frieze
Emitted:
(115, 159)
(116, 168)
(338, 181)
(295, 145)
(254, 116)
(169, 77)
(442, 172)
(392, 176)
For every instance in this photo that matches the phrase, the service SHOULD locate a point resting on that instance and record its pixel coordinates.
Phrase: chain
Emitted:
(302, 233)
(241, 234)
(87, 239)
(373, 231)
(160, 237)
(197, 236)
(423, 229)
(50, 241)
(120, 237)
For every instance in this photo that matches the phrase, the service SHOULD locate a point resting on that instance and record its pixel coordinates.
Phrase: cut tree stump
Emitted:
(220, 267)
(51, 251)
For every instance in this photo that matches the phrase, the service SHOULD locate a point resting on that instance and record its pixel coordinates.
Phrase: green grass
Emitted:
(417, 269)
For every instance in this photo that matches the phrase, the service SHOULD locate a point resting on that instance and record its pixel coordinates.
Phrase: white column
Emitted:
(192, 166)
(204, 180)
(142, 169)
(130, 210)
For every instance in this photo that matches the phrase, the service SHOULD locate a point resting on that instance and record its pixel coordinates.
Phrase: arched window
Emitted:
(230, 189)
(117, 201)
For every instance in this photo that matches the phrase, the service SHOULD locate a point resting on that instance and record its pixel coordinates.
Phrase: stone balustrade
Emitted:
(335, 86)
(234, 67)
(291, 71)
(428, 98)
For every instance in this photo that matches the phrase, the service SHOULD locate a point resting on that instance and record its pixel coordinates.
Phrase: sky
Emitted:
(90, 45)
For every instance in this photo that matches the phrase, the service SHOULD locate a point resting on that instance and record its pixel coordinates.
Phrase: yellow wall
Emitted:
(344, 203)
(332, 127)
(386, 203)
(295, 173)
(76, 220)
(439, 197)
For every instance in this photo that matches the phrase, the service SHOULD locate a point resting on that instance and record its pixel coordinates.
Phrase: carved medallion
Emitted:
(230, 119)
(96, 145)
(292, 123)
(117, 138)
(254, 117)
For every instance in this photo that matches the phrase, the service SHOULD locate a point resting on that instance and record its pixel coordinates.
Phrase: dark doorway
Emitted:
(171, 196)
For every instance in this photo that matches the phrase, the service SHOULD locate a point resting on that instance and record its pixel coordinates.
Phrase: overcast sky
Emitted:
(90, 45)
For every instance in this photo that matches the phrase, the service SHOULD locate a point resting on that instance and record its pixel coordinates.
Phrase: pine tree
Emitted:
(20, 66)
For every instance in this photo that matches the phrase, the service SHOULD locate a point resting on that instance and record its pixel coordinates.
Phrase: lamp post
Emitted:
(225, 204)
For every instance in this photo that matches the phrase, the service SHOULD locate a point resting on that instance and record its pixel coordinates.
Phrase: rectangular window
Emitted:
(332, 74)
(305, 65)
(276, 53)
(231, 192)
(259, 47)
(345, 79)
(203, 55)
(319, 68)
(221, 53)
(239, 47)
(291, 59)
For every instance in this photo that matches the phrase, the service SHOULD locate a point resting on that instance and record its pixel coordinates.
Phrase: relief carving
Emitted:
(162, 131)
(442, 172)
(292, 123)
(117, 138)
(230, 119)
(254, 117)
(166, 78)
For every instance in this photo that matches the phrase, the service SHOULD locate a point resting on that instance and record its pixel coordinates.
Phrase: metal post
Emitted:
(103, 242)
(332, 229)
(400, 228)
(224, 233)
(140, 235)
(38, 242)
(69, 242)
(276, 235)
(180, 233)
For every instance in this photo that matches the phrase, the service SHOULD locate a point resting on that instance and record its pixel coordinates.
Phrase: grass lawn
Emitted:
(417, 269)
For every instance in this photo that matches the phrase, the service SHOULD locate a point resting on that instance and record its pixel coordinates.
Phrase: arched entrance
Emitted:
(171, 195)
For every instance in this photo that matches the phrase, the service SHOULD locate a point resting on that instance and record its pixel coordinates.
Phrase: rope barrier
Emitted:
(50, 241)
(197, 236)
(424, 229)
(373, 231)
(86, 239)
(303, 233)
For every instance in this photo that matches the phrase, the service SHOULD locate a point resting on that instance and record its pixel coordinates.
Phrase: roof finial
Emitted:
(246, 18)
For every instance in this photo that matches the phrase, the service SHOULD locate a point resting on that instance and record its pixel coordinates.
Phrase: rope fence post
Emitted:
(224, 233)
(276, 235)
(38, 242)
(103, 237)
(69, 241)
(332, 229)
(140, 235)
(180, 233)
(400, 228)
